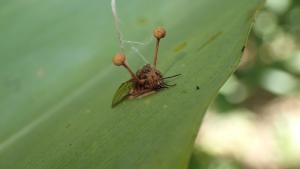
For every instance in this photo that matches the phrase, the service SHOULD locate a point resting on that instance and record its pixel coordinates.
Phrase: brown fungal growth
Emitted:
(158, 33)
(120, 60)
(146, 80)
(149, 79)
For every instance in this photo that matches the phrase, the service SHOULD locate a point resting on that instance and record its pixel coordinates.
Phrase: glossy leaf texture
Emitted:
(57, 80)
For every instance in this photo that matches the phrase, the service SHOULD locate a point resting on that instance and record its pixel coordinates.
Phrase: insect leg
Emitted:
(170, 76)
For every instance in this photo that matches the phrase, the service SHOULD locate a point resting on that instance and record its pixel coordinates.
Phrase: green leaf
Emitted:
(57, 80)
(122, 93)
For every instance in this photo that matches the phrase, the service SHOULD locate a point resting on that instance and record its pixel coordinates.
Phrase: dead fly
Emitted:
(146, 80)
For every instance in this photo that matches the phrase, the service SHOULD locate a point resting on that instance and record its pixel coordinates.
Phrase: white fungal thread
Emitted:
(139, 54)
(120, 36)
(117, 24)
(132, 42)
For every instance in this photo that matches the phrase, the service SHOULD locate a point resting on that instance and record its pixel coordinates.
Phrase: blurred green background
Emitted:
(254, 122)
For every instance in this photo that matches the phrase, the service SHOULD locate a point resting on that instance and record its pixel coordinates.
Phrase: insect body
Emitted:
(146, 80)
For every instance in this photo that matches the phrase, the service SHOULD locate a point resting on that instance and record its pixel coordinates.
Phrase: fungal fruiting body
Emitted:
(146, 80)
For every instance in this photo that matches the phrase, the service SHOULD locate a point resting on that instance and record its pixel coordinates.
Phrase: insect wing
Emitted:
(122, 93)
